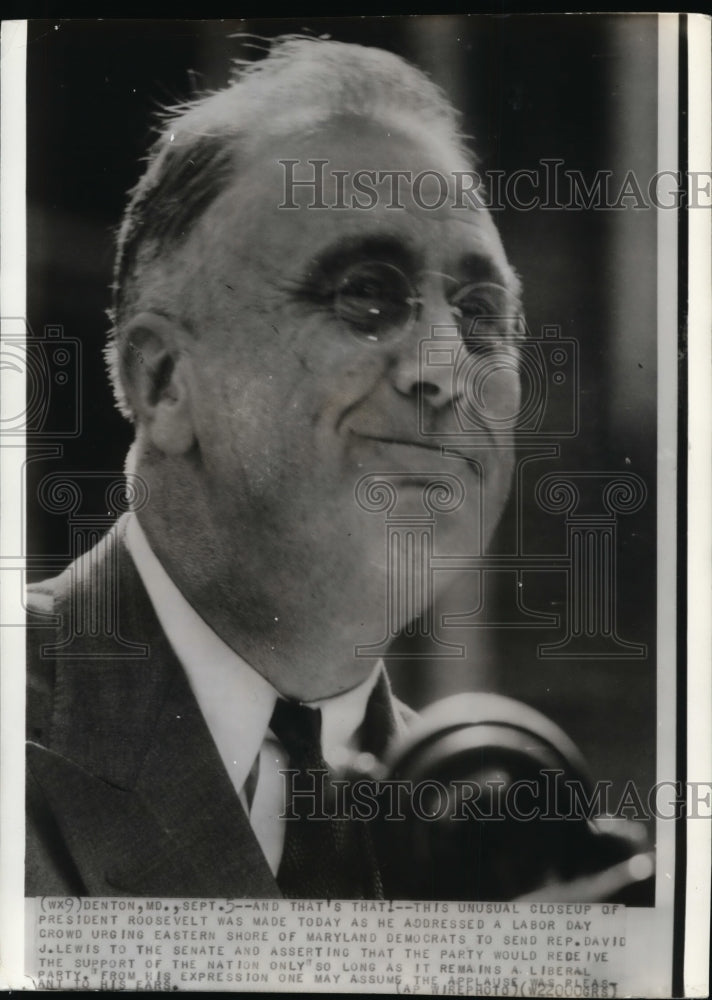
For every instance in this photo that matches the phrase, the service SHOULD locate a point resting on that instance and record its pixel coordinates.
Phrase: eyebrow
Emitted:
(479, 267)
(468, 267)
(349, 250)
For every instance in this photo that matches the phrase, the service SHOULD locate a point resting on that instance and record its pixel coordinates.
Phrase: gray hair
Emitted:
(301, 85)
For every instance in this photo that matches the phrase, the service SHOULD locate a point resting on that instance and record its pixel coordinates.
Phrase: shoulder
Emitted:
(41, 603)
(72, 621)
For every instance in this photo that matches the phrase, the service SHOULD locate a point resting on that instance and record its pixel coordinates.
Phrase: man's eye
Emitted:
(488, 312)
(481, 301)
(373, 298)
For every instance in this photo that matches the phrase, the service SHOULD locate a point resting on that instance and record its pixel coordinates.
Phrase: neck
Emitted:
(287, 614)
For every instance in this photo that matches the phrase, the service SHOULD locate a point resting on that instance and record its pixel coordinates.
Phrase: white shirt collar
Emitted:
(236, 701)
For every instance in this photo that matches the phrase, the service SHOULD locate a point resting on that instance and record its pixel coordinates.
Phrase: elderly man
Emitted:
(266, 347)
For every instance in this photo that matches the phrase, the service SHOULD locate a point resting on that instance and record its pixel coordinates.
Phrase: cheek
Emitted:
(326, 373)
(489, 388)
(233, 419)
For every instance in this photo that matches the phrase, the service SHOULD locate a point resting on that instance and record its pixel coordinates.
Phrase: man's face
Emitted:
(306, 362)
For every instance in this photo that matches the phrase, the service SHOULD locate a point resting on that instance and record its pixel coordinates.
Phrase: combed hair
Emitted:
(301, 85)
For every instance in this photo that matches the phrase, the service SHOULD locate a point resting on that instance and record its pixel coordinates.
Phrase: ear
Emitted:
(154, 373)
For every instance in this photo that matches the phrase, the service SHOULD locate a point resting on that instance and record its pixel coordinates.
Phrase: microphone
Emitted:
(496, 802)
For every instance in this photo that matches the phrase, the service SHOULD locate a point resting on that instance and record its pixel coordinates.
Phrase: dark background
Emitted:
(582, 89)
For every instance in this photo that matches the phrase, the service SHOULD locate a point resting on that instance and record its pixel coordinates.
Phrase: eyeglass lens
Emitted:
(375, 299)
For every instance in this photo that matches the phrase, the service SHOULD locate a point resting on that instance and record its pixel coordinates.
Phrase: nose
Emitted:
(424, 367)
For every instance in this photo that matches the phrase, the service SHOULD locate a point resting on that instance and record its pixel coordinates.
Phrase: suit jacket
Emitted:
(126, 792)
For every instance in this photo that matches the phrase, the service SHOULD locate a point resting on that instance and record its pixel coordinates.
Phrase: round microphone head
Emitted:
(492, 813)
(477, 722)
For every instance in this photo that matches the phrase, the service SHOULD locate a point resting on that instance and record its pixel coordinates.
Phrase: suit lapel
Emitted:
(386, 719)
(201, 838)
(132, 774)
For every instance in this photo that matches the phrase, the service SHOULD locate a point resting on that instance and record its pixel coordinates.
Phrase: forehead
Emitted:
(348, 185)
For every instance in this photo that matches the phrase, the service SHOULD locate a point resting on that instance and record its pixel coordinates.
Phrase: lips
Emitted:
(395, 440)
(404, 442)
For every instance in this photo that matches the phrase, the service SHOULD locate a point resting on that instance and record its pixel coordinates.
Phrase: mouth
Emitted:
(444, 450)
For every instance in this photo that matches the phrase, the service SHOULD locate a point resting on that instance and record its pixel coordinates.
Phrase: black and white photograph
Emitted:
(346, 450)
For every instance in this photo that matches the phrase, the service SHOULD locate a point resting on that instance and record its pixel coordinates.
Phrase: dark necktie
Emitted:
(323, 858)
